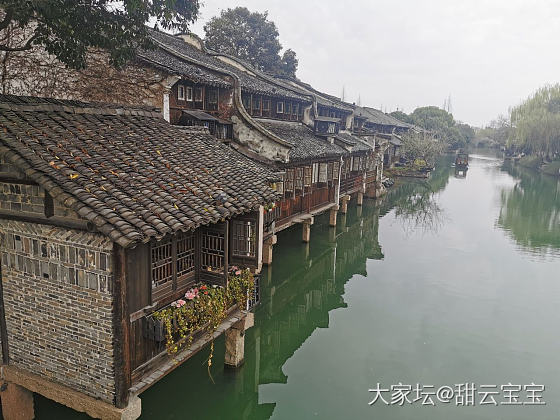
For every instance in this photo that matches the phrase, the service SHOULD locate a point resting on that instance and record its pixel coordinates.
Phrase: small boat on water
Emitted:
(462, 160)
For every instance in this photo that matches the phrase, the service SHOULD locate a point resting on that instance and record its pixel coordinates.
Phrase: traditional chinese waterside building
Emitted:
(107, 214)
(110, 212)
(304, 136)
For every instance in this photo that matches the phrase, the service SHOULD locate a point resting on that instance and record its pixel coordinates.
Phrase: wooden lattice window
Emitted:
(336, 168)
(289, 180)
(212, 250)
(299, 178)
(172, 264)
(330, 171)
(162, 269)
(315, 175)
(243, 234)
(307, 176)
(212, 96)
(322, 172)
(185, 259)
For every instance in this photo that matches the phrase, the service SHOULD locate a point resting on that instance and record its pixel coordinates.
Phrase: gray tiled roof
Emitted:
(376, 116)
(249, 83)
(126, 170)
(358, 144)
(306, 144)
(168, 62)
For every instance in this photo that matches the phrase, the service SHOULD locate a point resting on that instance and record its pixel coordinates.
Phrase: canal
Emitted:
(451, 281)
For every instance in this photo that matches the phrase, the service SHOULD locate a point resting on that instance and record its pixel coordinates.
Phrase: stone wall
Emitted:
(59, 305)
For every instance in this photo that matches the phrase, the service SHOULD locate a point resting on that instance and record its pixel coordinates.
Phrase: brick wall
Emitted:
(25, 198)
(59, 305)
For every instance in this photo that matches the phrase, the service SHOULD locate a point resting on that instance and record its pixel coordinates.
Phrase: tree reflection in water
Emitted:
(415, 202)
(530, 211)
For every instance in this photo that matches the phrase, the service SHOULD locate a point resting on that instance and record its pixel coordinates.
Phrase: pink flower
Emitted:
(238, 272)
(190, 295)
(180, 303)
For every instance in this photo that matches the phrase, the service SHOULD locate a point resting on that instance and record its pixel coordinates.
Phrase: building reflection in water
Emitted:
(304, 283)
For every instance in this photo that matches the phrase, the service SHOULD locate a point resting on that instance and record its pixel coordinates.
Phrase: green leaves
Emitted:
(68, 28)
(251, 37)
(536, 122)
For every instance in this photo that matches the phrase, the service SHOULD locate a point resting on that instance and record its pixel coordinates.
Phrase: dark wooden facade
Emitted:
(160, 272)
(214, 101)
(306, 188)
(273, 107)
(333, 112)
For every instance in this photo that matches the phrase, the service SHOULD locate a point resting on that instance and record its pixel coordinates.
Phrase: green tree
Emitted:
(288, 64)
(251, 37)
(421, 146)
(443, 125)
(67, 28)
(536, 123)
(401, 116)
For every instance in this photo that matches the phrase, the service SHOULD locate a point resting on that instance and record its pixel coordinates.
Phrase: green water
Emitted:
(448, 281)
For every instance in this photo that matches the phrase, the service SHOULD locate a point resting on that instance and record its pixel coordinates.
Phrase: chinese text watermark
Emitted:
(466, 394)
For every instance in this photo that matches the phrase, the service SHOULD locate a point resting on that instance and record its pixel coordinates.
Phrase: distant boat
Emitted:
(462, 160)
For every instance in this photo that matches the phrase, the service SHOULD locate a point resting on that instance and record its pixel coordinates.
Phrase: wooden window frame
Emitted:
(178, 278)
(213, 96)
(298, 179)
(244, 238)
(198, 98)
(330, 171)
(289, 181)
(266, 105)
(280, 107)
(315, 173)
(322, 173)
(307, 176)
(188, 94)
(336, 169)
(256, 106)
(180, 93)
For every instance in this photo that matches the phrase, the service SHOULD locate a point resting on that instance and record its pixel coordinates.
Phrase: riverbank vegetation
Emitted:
(536, 124)
(535, 130)
(441, 124)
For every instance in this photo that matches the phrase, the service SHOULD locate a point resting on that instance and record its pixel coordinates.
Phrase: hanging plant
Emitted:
(269, 206)
(202, 309)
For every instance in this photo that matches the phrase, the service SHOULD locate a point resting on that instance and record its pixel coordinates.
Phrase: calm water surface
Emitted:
(448, 281)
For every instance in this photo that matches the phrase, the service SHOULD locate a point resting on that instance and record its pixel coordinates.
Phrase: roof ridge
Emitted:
(30, 104)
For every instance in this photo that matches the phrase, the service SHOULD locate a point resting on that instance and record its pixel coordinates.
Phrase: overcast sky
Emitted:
(486, 54)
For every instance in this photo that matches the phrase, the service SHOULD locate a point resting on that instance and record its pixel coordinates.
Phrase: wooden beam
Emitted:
(3, 327)
(226, 252)
(51, 221)
(13, 180)
(121, 328)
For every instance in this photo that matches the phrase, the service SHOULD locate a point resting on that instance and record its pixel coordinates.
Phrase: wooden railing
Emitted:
(313, 199)
(351, 183)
